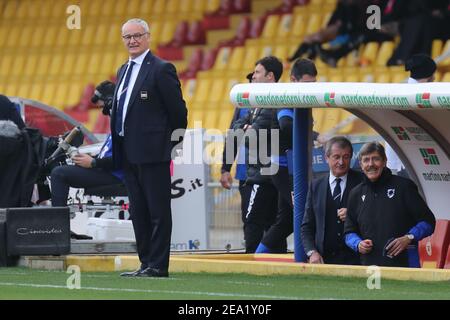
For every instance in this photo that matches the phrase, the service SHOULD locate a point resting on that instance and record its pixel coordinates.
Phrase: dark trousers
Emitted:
(64, 177)
(260, 214)
(149, 190)
(343, 256)
(275, 237)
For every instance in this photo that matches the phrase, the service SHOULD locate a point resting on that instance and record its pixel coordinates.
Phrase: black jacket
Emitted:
(156, 109)
(8, 112)
(260, 119)
(313, 225)
(386, 209)
(21, 161)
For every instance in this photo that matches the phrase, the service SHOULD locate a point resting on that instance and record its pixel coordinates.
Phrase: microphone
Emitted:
(65, 144)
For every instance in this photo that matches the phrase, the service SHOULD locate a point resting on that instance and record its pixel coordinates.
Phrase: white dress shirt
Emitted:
(134, 73)
(332, 182)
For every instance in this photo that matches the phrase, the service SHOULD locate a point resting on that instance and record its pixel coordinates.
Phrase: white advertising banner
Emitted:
(342, 95)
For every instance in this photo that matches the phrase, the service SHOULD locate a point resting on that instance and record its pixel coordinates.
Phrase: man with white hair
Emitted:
(148, 107)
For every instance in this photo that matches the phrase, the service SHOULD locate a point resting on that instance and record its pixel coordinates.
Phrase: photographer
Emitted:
(88, 171)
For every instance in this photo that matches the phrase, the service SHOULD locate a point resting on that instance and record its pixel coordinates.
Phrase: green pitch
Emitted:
(21, 283)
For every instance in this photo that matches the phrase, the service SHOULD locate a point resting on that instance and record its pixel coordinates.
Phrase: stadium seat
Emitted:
(446, 48)
(270, 27)
(433, 249)
(222, 59)
(298, 27)
(202, 90)
(369, 54)
(216, 92)
(314, 23)
(447, 259)
(384, 53)
(236, 59)
(242, 33)
(284, 27)
(436, 48)
(196, 33)
(446, 77)
(257, 27)
(251, 56)
(18, 65)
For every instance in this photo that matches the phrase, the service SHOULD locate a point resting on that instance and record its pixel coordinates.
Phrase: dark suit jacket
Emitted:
(313, 225)
(156, 108)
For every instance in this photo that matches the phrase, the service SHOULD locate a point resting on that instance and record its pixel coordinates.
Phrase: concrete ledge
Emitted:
(261, 264)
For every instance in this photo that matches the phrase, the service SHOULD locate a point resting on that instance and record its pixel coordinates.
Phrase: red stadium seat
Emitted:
(194, 65)
(242, 6)
(257, 27)
(433, 249)
(209, 58)
(196, 33)
(242, 33)
(447, 259)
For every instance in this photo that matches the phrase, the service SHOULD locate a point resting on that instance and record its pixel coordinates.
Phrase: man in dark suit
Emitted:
(322, 230)
(148, 108)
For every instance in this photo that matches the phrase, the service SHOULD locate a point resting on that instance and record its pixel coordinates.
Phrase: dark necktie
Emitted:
(122, 96)
(337, 193)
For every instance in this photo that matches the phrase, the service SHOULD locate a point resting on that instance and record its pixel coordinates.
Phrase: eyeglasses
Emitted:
(136, 36)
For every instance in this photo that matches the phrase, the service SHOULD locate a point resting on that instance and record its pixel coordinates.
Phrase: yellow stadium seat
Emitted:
(172, 7)
(399, 77)
(209, 118)
(81, 64)
(88, 34)
(352, 78)
(132, 9)
(25, 37)
(236, 59)
(202, 90)
(48, 93)
(281, 51)
(385, 52)
(383, 77)
(107, 66)
(10, 9)
(369, 54)
(11, 90)
(446, 62)
(68, 66)
(120, 7)
(446, 77)
(94, 63)
(436, 48)
(167, 31)
(58, 8)
(222, 59)
(61, 95)
(24, 91)
(30, 65)
(194, 115)
(270, 27)
(299, 26)
(285, 26)
(22, 10)
(18, 65)
(186, 7)
(12, 36)
(251, 56)
(6, 64)
(36, 91)
(216, 91)
(146, 7)
(43, 65)
(199, 6)
(314, 23)
(158, 7)
(55, 65)
(50, 36)
(212, 5)
(114, 34)
(189, 89)
(63, 36)
(73, 94)
(265, 51)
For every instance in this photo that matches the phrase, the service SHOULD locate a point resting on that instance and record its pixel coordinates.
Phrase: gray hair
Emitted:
(141, 22)
(371, 147)
(342, 143)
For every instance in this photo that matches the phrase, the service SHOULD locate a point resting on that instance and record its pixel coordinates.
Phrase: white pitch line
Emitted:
(213, 294)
